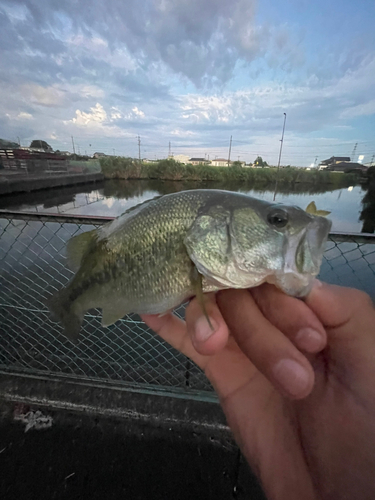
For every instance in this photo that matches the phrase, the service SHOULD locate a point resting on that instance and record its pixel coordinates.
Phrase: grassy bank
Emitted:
(169, 170)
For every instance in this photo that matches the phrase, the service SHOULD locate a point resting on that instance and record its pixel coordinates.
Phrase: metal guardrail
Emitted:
(33, 266)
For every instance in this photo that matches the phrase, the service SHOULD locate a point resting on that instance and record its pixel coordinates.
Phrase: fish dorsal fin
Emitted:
(78, 246)
(311, 209)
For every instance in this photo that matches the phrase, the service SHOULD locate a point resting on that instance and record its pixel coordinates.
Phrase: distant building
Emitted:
(346, 166)
(149, 160)
(98, 155)
(333, 161)
(220, 162)
(198, 161)
(181, 158)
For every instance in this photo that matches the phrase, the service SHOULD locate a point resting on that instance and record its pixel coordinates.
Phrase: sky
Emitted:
(187, 75)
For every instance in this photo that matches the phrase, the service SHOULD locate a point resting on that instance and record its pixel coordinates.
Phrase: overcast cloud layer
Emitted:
(192, 73)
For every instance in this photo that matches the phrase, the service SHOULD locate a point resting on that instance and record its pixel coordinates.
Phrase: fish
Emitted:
(167, 250)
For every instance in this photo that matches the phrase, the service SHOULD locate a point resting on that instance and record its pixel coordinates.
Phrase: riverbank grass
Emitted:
(170, 170)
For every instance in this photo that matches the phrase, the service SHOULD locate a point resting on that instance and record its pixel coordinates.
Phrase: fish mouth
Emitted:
(303, 258)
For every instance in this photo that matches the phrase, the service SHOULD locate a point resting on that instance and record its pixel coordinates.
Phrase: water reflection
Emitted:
(352, 210)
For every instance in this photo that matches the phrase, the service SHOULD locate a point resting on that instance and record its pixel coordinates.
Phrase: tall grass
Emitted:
(170, 170)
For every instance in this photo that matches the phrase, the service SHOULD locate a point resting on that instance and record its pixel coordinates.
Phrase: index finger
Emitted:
(273, 354)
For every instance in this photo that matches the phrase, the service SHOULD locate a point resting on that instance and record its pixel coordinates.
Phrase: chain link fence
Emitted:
(33, 266)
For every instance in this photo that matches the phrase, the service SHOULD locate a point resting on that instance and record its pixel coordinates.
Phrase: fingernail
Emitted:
(203, 330)
(294, 378)
(309, 339)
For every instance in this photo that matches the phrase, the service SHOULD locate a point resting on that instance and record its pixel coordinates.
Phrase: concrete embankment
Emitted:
(13, 183)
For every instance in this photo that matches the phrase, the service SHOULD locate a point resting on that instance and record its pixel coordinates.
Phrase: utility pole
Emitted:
(74, 149)
(278, 164)
(230, 147)
(169, 150)
(372, 160)
(139, 148)
(354, 150)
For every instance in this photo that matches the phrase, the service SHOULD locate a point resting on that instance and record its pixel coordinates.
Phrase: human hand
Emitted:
(304, 440)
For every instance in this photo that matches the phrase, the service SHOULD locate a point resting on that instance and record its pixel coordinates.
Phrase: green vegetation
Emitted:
(259, 162)
(170, 170)
(90, 166)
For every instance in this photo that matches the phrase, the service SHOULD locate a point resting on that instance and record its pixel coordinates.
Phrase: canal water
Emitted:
(348, 207)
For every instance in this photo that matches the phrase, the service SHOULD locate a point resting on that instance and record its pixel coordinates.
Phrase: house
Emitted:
(333, 161)
(98, 155)
(220, 162)
(181, 159)
(199, 161)
(347, 167)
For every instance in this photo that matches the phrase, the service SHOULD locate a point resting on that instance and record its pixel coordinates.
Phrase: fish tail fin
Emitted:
(62, 310)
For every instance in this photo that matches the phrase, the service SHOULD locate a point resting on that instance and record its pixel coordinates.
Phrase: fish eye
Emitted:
(278, 218)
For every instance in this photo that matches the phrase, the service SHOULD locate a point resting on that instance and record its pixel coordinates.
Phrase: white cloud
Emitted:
(182, 133)
(24, 116)
(115, 114)
(43, 96)
(138, 112)
(97, 115)
(364, 109)
(96, 122)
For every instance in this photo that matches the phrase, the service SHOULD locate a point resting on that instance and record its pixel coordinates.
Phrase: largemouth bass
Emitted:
(164, 251)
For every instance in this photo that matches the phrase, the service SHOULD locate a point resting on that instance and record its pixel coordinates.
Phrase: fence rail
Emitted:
(33, 266)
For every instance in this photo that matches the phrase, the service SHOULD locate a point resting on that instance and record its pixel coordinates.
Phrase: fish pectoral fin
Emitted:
(198, 288)
(78, 246)
(112, 313)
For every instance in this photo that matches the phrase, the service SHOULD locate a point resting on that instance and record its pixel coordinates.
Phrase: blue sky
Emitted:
(192, 73)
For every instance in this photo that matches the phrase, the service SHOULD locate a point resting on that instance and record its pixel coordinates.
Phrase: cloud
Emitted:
(364, 109)
(182, 133)
(24, 116)
(137, 112)
(43, 96)
(189, 71)
(308, 106)
(97, 122)
(200, 40)
(97, 115)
